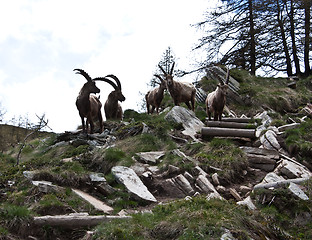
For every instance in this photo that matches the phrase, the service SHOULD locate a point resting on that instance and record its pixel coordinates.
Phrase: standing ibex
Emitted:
(215, 100)
(89, 106)
(155, 96)
(112, 108)
(179, 91)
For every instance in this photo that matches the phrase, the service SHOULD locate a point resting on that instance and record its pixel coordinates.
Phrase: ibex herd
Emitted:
(89, 106)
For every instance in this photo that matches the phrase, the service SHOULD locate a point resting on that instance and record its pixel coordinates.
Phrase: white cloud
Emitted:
(42, 41)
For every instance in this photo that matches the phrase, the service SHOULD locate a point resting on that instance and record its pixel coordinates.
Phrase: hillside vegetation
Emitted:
(68, 159)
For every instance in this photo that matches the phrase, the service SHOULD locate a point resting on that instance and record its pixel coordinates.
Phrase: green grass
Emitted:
(194, 219)
(223, 154)
(300, 139)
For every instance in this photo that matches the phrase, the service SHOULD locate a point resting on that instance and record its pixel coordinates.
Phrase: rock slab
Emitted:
(133, 183)
(187, 118)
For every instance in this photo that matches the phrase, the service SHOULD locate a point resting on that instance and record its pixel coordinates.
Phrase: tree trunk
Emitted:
(252, 40)
(293, 38)
(280, 183)
(229, 124)
(307, 15)
(285, 47)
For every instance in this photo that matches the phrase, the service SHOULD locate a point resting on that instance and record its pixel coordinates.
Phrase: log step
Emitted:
(228, 132)
(223, 124)
(237, 120)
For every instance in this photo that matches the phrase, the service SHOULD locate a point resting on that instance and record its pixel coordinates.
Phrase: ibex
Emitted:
(179, 91)
(89, 106)
(215, 100)
(155, 96)
(112, 108)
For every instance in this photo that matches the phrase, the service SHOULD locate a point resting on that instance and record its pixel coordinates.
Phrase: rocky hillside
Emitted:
(168, 176)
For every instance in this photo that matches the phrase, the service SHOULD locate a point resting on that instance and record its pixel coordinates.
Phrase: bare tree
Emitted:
(42, 123)
(2, 112)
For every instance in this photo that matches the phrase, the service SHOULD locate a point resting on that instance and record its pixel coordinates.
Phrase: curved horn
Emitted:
(83, 73)
(115, 78)
(159, 77)
(106, 80)
(171, 71)
(164, 72)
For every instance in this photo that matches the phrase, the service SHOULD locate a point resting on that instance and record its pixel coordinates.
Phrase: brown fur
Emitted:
(215, 102)
(89, 106)
(179, 91)
(112, 108)
(155, 96)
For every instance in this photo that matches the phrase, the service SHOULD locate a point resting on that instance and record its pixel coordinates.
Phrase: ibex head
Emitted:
(168, 76)
(117, 94)
(162, 84)
(224, 86)
(89, 86)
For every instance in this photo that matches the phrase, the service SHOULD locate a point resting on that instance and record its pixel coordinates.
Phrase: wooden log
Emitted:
(229, 124)
(280, 183)
(75, 220)
(228, 132)
(239, 120)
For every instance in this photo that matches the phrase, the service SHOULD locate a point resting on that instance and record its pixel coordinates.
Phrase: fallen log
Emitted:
(238, 120)
(75, 220)
(229, 124)
(280, 183)
(228, 132)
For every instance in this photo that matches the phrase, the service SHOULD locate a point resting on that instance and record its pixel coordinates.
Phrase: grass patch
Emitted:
(194, 219)
(299, 141)
(224, 154)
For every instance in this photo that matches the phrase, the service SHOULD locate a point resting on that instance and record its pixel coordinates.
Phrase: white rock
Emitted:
(150, 157)
(97, 177)
(132, 182)
(206, 186)
(184, 184)
(190, 122)
(272, 177)
(247, 202)
(215, 179)
(292, 170)
(214, 195)
(296, 190)
(269, 141)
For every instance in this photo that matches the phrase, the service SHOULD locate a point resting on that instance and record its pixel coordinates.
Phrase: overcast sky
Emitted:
(42, 41)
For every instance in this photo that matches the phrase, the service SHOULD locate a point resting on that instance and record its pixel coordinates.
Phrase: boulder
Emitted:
(47, 187)
(265, 121)
(206, 186)
(184, 184)
(187, 118)
(97, 177)
(150, 157)
(292, 170)
(272, 177)
(269, 140)
(296, 190)
(247, 202)
(133, 183)
(178, 186)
